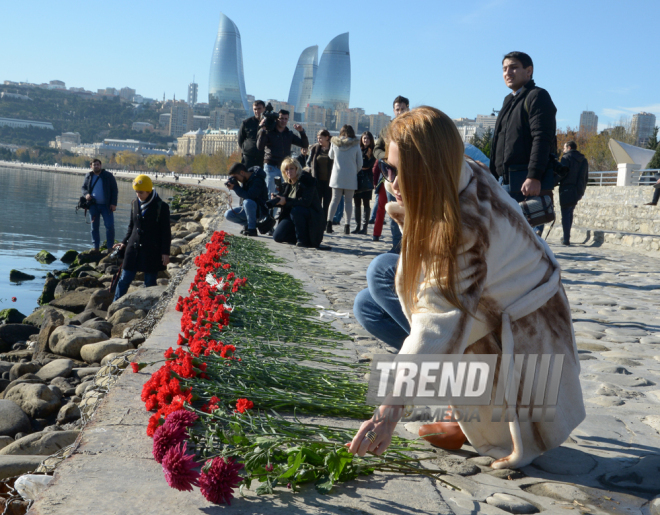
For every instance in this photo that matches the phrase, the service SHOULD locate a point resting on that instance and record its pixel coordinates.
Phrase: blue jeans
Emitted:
(295, 227)
(340, 211)
(396, 230)
(271, 173)
(97, 211)
(126, 279)
(372, 219)
(378, 308)
(245, 215)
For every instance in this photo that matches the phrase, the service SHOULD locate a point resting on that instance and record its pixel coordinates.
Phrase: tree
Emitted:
(127, 158)
(155, 162)
(653, 139)
(176, 164)
(655, 161)
(234, 158)
(200, 164)
(217, 164)
(483, 143)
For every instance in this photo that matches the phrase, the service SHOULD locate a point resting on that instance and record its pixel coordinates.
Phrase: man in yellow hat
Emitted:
(147, 241)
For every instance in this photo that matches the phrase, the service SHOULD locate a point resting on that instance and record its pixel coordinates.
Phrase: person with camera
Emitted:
(146, 245)
(320, 166)
(572, 186)
(301, 215)
(461, 290)
(365, 183)
(247, 136)
(250, 186)
(275, 139)
(101, 194)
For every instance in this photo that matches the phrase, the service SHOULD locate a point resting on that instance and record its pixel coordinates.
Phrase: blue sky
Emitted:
(597, 55)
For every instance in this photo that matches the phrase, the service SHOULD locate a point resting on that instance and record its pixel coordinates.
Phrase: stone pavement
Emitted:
(610, 464)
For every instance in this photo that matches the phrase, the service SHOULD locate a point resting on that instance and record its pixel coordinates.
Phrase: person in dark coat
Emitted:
(100, 185)
(320, 166)
(301, 216)
(148, 239)
(572, 186)
(247, 137)
(362, 196)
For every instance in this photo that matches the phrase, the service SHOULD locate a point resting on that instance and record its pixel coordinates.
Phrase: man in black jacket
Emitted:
(277, 145)
(572, 186)
(250, 186)
(101, 186)
(525, 132)
(247, 136)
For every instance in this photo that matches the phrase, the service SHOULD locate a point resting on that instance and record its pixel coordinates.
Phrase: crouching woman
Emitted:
(147, 241)
(473, 278)
(301, 215)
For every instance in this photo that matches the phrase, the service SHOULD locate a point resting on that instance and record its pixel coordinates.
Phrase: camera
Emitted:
(231, 181)
(85, 204)
(272, 203)
(117, 253)
(278, 183)
(270, 117)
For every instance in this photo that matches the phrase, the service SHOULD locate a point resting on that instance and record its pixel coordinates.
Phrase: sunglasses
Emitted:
(388, 171)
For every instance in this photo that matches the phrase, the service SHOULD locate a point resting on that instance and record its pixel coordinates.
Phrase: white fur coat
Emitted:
(347, 162)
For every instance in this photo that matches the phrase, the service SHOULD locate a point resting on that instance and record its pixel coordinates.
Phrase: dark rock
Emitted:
(12, 333)
(17, 276)
(36, 318)
(17, 355)
(12, 419)
(11, 316)
(73, 283)
(95, 275)
(85, 316)
(43, 256)
(20, 369)
(69, 257)
(52, 320)
(36, 400)
(99, 325)
(89, 256)
(3, 384)
(100, 300)
(74, 301)
(48, 292)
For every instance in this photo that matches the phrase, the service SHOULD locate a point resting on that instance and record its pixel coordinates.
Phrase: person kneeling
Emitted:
(250, 186)
(147, 241)
(301, 216)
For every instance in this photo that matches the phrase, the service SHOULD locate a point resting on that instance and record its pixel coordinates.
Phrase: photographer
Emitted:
(276, 141)
(250, 186)
(101, 192)
(247, 136)
(147, 241)
(301, 217)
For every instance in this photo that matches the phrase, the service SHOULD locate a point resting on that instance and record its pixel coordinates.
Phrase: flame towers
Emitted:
(303, 78)
(226, 81)
(332, 85)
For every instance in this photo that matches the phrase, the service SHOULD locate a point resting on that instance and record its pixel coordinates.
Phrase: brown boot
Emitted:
(451, 437)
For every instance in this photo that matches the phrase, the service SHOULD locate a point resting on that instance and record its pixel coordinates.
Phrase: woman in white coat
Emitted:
(472, 278)
(346, 154)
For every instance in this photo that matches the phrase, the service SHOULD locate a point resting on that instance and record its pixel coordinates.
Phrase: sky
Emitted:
(601, 56)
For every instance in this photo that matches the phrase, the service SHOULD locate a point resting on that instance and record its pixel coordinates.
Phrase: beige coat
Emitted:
(510, 278)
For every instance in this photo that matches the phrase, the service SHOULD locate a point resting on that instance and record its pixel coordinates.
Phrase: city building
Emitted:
(17, 96)
(22, 124)
(302, 84)
(588, 122)
(192, 93)
(164, 120)
(127, 94)
(315, 114)
(107, 92)
(348, 117)
(202, 109)
(66, 141)
(111, 147)
(487, 121)
(642, 127)
(277, 106)
(190, 144)
(208, 142)
(181, 120)
(200, 122)
(142, 126)
(332, 84)
(56, 84)
(226, 80)
(250, 99)
(222, 118)
(377, 122)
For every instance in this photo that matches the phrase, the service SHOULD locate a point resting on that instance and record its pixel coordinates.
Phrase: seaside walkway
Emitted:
(609, 464)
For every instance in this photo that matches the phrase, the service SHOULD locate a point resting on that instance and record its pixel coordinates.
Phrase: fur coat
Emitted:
(510, 280)
(347, 162)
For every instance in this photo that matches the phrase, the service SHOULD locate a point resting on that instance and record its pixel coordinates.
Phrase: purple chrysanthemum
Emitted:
(179, 468)
(182, 418)
(218, 483)
(166, 437)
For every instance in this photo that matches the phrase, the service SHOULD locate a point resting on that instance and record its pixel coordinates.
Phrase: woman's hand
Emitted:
(118, 246)
(282, 200)
(383, 424)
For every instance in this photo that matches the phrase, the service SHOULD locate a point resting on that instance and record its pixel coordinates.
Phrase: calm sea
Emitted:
(37, 212)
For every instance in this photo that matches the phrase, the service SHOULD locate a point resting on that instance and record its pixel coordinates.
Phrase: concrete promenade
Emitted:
(609, 464)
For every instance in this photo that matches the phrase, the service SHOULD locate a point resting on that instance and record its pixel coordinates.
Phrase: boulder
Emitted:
(109, 358)
(68, 413)
(89, 256)
(12, 333)
(122, 316)
(48, 293)
(43, 256)
(37, 317)
(67, 340)
(12, 419)
(25, 378)
(178, 242)
(11, 316)
(100, 300)
(72, 283)
(194, 227)
(75, 273)
(84, 373)
(11, 466)
(36, 400)
(5, 366)
(120, 330)
(41, 443)
(57, 368)
(20, 369)
(16, 276)
(75, 301)
(95, 352)
(69, 257)
(144, 298)
(99, 325)
(85, 316)
(5, 441)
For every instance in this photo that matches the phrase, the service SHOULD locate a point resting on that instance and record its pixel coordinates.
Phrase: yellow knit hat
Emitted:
(143, 183)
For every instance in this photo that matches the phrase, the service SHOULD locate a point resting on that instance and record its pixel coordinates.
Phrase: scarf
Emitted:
(143, 207)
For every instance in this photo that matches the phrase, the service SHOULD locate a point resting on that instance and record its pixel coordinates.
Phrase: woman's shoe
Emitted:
(450, 438)
(363, 230)
(328, 227)
(357, 229)
(376, 238)
(347, 229)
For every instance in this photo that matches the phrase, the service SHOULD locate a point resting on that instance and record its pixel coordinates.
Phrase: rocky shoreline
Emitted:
(49, 360)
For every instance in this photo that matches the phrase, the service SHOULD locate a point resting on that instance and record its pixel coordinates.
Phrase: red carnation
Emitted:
(220, 479)
(179, 468)
(242, 405)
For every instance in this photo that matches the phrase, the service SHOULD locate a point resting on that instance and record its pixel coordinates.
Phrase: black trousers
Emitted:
(325, 194)
(567, 221)
(294, 227)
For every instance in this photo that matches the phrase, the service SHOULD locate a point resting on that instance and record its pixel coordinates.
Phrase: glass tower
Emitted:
(332, 86)
(226, 82)
(303, 78)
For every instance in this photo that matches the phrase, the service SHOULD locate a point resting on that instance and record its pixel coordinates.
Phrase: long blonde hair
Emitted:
(430, 163)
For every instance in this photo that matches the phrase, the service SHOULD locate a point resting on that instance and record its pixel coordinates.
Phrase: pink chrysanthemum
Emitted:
(166, 437)
(181, 418)
(218, 483)
(179, 468)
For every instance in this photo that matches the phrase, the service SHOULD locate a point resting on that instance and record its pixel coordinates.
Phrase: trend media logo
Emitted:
(526, 384)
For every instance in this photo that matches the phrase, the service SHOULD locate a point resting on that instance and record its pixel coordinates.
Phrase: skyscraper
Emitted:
(588, 122)
(332, 85)
(302, 84)
(192, 93)
(642, 127)
(226, 81)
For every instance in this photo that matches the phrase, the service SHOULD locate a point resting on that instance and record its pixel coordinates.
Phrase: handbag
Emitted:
(538, 210)
(265, 223)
